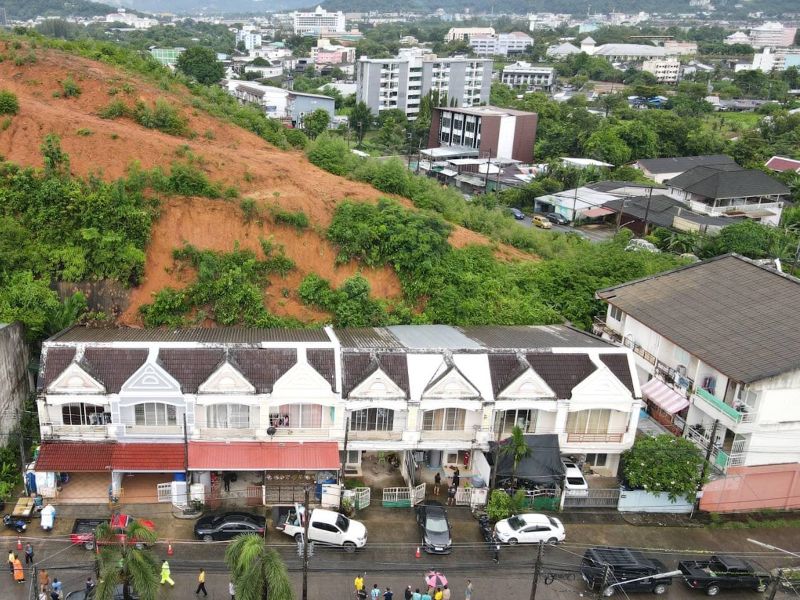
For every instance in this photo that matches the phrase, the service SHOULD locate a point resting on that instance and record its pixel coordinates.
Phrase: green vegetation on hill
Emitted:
(22, 10)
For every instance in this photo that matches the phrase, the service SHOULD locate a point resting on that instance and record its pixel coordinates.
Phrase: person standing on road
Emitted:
(451, 495)
(416, 595)
(165, 574)
(408, 593)
(11, 557)
(427, 595)
(388, 595)
(358, 583)
(28, 554)
(44, 580)
(446, 593)
(56, 587)
(201, 583)
(19, 573)
(232, 590)
(437, 595)
(437, 481)
(375, 592)
(468, 591)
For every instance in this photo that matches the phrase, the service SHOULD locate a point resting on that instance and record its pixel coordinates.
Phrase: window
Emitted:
(470, 126)
(155, 414)
(324, 527)
(297, 415)
(615, 313)
(444, 419)
(508, 419)
(233, 416)
(589, 421)
(83, 414)
(372, 419)
(681, 355)
(596, 460)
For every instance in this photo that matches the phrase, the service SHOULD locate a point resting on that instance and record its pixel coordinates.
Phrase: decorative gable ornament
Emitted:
(75, 380)
(528, 385)
(150, 378)
(226, 380)
(602, 386)
(377, 385)
(302, 380)
(451, 385)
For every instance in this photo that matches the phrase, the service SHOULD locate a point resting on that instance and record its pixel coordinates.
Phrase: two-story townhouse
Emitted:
(719, 341)
(128, 411)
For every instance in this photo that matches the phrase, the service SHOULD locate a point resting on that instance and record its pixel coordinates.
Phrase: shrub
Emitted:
(350, 305)
(9, 105)
(296, 219)
(114, 110)
(331, 153)
(249, 209)
(84, 132)
(296, 138)
(187, 180)
(499, 506)
(163, 116)
(69, 88)
(5, 124)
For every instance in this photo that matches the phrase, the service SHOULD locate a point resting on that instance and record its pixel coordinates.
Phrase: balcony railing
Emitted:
(366, 436)
(600, 327)
(639, 350)
(321, 433)
(608, 438)
(743, 415)
(227, 432)
(84, 431)
(153, 430)
(433, 436)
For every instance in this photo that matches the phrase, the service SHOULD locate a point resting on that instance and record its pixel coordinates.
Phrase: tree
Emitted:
(202, 64)
(606, 144)
(316, 122)
(517, 448)
(122, 562)
(56, 161)
(257, 571)
(663, 463)
(360, 120)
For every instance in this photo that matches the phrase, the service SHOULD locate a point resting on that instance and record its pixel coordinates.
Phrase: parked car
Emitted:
(574, 482)
(325, 527)
(541, 221)
(83, 530)
(603, 567)
(228, 525)
(517, 214)
(529, 528)
(723, 572)
(84, 595)
(640, 245)
(557, 218)
(434, 529)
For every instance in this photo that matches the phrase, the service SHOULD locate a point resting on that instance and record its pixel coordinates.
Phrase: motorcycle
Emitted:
(487, 533)
(17, 524)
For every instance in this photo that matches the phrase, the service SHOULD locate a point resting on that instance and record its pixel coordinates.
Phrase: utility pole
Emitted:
(775, 585)
(186, 458)
(305, 547)
(344, 448)
(606, 574)
(537, 568)
(619, 214)
(21, 445)
(709, 451)
(575, 205)
(647, 211)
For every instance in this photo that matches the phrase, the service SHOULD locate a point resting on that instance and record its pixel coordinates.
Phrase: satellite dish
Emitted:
(271, 431)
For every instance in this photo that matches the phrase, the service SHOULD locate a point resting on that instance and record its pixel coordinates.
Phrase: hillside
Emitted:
(227, 154)
(23, 10)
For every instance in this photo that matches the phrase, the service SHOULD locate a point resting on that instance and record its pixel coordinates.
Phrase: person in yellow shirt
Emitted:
(438, 595)
(201, 583)
(165, 578)
(358, 583)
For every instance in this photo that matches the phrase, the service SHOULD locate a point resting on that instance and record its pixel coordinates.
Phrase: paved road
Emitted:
(592, 235)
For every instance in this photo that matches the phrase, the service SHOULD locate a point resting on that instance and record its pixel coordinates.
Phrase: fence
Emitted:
(642, 501)
(403, 497)
(597, 498)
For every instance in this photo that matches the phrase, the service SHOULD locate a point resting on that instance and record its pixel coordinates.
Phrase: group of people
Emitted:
(430, 593)
(451, 489)
(54, 590)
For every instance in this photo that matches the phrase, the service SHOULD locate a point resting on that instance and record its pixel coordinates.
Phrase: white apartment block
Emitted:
(772, 35)
(131, 20)
(465, 34)
(251, 39)
(319, 21)
(665, 71)
(524, 74)
(501, 44)
(401, 82)
(121, 406)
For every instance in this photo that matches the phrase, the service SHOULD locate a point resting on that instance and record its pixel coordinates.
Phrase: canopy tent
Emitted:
(542, 466)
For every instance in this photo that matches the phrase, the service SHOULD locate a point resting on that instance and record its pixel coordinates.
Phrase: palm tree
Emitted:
(517, 448)
(258, 573)
(122, 561)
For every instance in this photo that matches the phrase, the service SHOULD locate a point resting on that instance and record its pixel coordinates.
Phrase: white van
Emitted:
(325, 527)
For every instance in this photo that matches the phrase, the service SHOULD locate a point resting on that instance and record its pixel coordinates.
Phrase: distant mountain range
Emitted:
(22, 10)
(210, 6)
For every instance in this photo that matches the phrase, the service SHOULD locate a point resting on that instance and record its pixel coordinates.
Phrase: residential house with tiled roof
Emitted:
(138, 409)
(716, 348)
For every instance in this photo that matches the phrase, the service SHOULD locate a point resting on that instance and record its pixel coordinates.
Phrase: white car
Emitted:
(640, 245)
(574, 483)
(529, 528)
(326, 527)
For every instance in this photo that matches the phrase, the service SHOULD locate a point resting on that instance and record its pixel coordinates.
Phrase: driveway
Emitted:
(592, 234)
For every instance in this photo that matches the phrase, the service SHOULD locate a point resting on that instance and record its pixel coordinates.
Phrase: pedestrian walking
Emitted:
(201, 583)
(437, 481)
(56, 587)
(408, 593)
(165, 578)
(89, 584)
(446, 593)
(44, 580)
(427, 595)
(437, 595)
(416, 595)
(375, 592)
(226, 480)
(358, 583)
(388, 595)
(456, 477)
(11, 557)
(468, 591)
(28, 553)
(232, 590)
(451, 495)
(19, 572)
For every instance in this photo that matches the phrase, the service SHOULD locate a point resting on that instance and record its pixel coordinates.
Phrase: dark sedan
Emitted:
(434, 528)
(557, 218)
(228, 526)
(517, 214)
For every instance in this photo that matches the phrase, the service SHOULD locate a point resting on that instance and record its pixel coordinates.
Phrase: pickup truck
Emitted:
(83, 531)
(723, 572)
(325, 527)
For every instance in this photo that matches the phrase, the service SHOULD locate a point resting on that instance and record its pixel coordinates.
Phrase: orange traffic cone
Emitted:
(169, 549)
(417, 554)
(19, 543)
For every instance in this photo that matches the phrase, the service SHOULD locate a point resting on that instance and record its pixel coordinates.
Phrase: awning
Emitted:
(446, 172)
(593, 213)
(664, 396)
(75, 457)
(156, 458)
(264, 456)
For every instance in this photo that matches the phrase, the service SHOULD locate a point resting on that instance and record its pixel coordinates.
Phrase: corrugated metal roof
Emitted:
(367, 337)
(535, 337)
(208, 335)
(264, 456)
(426, 337)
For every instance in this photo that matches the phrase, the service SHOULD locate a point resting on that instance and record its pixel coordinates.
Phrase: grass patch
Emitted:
(70, 89)
(9, 105)
(84, 132)
(297, 219)
(162, 116)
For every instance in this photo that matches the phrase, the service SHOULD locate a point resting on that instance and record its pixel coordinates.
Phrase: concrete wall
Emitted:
(16, 381)
(642, 501)
(754, 488)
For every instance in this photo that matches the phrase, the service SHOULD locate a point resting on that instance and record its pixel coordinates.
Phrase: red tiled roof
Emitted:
(159, 458)
(263, 456)
(781, 163)
(75, 457)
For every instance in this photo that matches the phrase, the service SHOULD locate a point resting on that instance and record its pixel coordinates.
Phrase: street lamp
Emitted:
(609, 590)
(771, 547)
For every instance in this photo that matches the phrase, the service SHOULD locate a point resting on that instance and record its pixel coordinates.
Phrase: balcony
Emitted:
(595, 438)
(600, 328)
(52, 430)
(306, 433)
(376, 436)
(227, 433)
(441, 436)
(154, 430)
(639, 351)
(729, 416)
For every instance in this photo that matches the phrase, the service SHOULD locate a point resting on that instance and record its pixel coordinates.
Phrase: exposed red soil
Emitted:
(232, 156)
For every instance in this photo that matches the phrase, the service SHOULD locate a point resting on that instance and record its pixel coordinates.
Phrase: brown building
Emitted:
(485, 131)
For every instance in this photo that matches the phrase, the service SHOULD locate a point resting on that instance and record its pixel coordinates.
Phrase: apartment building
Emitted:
(715, 344)
(501, 44)
(250, 38)
(772, 35)
(137, 409)
(527, 75)
(318, 22)
(401, 82)
(465, 34)
(665, 70)
(328, 53)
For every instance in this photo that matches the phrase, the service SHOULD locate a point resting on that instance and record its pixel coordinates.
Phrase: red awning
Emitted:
(156, 458)
(664, 396)
(74, 457)
(263, 456)
(594, 213)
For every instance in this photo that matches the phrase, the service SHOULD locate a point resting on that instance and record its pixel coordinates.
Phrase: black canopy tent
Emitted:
(543, 467)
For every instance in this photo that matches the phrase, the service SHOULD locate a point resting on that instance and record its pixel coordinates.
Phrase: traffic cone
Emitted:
(169, 549)
(417, 554)
(19, 543)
